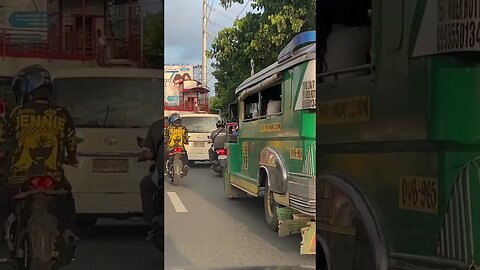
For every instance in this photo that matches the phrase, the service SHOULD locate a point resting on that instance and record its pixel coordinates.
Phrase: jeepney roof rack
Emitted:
(302, 48)
(301, 40)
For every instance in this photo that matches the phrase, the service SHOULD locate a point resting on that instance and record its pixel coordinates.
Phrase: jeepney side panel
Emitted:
(290, 134)
(273, 131)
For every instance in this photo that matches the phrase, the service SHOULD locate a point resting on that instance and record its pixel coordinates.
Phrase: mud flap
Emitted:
(309, 239)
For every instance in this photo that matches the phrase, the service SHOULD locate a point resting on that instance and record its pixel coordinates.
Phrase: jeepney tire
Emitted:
(230, 191)
(270, 209)
(351, 252)
(191, 163)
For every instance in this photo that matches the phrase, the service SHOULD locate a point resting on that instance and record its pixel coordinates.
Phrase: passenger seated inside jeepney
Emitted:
(271, 100)
(344, 36)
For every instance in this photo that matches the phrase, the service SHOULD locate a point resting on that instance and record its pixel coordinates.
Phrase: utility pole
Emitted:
(204, 45)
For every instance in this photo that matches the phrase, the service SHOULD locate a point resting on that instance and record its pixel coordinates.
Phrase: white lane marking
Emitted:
(176, 202)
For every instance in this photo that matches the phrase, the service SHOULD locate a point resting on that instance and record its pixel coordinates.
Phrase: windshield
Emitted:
(110, 102)
(200, 124)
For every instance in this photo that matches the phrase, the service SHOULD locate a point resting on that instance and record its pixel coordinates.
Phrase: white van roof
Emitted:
(108, 73)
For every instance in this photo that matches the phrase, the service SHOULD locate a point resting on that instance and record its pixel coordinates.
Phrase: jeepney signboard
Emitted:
(448, 26)
(356, 109)
(307, 95)
(271, 127)
(418, 194)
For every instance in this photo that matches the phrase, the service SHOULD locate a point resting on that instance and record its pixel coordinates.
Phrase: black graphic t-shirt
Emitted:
(37, 136)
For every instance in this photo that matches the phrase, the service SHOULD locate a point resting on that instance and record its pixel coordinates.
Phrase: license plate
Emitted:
(222, 157)
(418, 194)
(110, 165)
(198, 144)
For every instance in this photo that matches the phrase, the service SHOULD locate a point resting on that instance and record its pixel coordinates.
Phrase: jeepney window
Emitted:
(271, 100)
(251, 106)
(345, 39)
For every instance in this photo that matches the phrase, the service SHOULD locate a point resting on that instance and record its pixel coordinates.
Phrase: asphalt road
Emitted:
(212, 231)
(202, 229)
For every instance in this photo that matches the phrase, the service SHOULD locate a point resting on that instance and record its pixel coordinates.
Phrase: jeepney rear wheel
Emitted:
(270, 209)
(351, 252)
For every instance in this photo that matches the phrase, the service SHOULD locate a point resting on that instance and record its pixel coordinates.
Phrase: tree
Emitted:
(259, 36)
(153, 38)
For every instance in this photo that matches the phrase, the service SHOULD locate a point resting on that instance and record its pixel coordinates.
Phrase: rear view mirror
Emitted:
(140, 141)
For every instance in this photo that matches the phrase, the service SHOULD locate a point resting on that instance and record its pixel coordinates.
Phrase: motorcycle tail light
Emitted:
(177, 150)
(42, 182)
(222, 152)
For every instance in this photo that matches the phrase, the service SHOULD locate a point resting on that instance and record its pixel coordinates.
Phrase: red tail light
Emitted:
(222, 152)
(177, 150)
(42, 182)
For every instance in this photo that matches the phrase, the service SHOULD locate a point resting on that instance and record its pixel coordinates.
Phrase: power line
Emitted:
(210, 11)
(244, 7)
(215, 23)
(222, 13)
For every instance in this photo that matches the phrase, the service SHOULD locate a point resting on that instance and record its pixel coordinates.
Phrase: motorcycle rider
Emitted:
(36, 136)
(218, 137)
(152, 185)
(176, 136)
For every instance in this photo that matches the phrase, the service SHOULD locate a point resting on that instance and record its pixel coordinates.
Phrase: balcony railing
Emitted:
(68, 46)
(188, 106)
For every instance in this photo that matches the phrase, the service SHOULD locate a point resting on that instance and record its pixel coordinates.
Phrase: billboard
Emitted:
(21, 15)
(173, 76)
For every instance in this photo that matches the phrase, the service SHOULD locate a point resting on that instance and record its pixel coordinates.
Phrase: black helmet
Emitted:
(32, 81)
(174, 117)
(220, 123)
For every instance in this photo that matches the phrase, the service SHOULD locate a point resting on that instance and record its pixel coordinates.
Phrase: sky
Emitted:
(183, 30)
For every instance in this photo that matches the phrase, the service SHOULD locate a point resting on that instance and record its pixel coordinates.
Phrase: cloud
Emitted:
(183, 28)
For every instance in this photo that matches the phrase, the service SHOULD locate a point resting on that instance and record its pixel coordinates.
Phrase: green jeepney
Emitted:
(399, 143)
(275, 148)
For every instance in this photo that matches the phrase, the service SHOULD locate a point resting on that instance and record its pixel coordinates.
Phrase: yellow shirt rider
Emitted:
(176, 135)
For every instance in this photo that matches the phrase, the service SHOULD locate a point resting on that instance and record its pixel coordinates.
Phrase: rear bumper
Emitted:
(108, 203)
(302, 193)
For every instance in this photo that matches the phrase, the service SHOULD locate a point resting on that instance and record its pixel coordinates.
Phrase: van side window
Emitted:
(251, 106)
(345, 36)
(271, 100)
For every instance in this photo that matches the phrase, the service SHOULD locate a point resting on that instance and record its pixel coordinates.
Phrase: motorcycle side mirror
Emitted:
(140, 142)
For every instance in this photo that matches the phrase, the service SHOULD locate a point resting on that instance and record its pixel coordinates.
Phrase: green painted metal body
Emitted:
(279, 134)
(424, 121)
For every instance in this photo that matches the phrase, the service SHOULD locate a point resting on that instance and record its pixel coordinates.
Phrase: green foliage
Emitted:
(154, 39)
(153, 33)
(259, 35)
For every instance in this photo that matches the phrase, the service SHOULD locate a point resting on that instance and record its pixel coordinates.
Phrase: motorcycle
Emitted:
(33, 234)
(176, 169)
(156, 235)
(219, 160)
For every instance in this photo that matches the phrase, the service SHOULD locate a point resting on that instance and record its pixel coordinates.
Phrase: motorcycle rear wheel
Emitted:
(177, 171)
